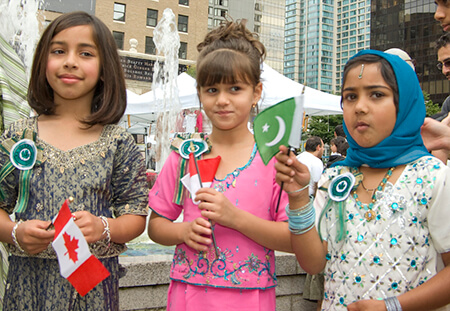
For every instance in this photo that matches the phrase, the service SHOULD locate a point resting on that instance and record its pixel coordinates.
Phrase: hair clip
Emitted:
(361, 72)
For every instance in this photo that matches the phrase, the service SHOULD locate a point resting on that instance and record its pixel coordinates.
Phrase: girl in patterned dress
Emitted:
(384, 209)
(77, 88)
(241, 202)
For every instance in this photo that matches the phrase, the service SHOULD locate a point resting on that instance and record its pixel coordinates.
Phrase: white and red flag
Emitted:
(206, 169)
(76, 263)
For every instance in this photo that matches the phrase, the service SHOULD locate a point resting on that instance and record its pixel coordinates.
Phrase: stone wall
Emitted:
(145, 285)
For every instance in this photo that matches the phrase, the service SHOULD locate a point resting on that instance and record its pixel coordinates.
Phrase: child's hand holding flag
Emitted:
(82, 269)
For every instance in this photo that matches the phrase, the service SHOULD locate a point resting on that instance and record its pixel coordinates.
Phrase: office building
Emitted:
(410, 25)
(320, 36)
(264, 17)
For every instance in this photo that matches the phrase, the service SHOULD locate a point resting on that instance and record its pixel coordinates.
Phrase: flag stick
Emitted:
(201, 186)
(295, 135)
(69, 200)
(281, 187)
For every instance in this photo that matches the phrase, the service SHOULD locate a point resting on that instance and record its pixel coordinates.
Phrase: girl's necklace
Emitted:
(368, 190)
(370, 214)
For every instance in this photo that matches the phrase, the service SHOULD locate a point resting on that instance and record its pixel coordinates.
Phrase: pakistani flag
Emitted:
(278, 125)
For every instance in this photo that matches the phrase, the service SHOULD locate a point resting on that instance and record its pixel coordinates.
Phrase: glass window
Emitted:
(222, 2)
(182, 23)
(119, 38)
(182, 52)
(183, 2)
(150, 47)
(152, 17)
(119, 12)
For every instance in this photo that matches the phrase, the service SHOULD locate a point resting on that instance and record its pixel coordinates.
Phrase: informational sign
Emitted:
(141, 69)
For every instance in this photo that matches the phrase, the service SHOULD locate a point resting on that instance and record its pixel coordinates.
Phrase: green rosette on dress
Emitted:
(23, 155)
(339, 189)
(183, 143)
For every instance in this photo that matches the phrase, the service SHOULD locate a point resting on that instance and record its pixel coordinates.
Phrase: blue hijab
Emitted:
(405, 143)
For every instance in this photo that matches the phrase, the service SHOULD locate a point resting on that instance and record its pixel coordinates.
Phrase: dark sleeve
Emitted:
(129, 179)
(446, 105)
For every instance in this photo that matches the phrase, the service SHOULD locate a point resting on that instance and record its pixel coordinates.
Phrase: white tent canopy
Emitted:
(141, 109)
(277, 87)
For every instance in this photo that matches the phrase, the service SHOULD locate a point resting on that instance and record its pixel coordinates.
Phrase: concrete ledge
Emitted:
(145, 285)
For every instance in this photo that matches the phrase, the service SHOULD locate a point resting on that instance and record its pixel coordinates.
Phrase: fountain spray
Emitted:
(167, 42)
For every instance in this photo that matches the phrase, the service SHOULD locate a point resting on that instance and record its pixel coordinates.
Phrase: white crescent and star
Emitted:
(280, 134)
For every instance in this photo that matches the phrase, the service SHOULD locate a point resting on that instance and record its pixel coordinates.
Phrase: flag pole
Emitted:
(216, 250)
(281, 186)
(294, 137)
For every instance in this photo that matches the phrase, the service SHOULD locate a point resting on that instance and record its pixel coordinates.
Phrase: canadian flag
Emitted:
(207, 170)
(76, 263)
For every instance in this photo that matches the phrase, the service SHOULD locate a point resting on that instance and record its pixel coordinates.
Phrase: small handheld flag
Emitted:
(288, 129)
(278, 125)
(206, 170)
(201, 174)
(82, 269)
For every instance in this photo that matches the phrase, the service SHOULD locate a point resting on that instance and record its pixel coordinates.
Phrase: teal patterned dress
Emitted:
(106, 177)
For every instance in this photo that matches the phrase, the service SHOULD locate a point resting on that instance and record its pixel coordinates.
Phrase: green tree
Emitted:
(323, 127)
(430, 107)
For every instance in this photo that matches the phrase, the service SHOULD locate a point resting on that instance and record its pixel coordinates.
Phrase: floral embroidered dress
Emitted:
(395, 251)
(242, 263)
(106, 177)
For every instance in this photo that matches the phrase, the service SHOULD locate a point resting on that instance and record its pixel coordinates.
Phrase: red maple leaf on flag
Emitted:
(71, 244)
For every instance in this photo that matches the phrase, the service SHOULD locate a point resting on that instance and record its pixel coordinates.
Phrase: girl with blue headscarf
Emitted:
(384, 241)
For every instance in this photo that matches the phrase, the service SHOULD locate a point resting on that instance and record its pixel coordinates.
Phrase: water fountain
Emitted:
(19, 25)
(168, 107)
(167, 42)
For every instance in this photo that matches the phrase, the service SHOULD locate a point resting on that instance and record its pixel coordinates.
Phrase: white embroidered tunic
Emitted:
(397, 250)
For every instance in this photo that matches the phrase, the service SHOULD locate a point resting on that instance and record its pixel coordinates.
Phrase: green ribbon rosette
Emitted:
(195, 145)
(184, 144)
(339, 189)
(23, 155)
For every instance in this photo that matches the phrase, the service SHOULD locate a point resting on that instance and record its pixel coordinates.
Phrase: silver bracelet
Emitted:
(106, 229)
(298, 190)
(14, 237)
(392, 304)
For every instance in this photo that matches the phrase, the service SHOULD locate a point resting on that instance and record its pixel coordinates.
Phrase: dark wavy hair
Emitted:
(109, 102)
(443, 41)
(312, 143)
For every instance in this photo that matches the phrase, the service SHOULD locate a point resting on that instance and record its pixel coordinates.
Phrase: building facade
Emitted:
(353, 33)
(271, 30)
(320, 36)
(264, 17)
(410, 25)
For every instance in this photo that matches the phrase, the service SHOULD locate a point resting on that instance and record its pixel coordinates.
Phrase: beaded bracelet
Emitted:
(392, 304)
(14, 237)
(301, 220)
(106, 229)
(298, 190)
